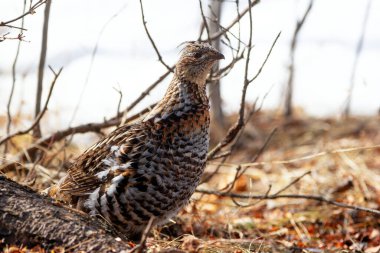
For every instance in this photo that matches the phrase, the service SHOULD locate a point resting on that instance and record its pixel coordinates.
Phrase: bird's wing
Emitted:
(104, 160)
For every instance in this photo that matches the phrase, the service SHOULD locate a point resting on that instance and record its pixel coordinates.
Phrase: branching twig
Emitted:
(9, 115)
(120, 99)
(84, 128)
(293, 182)
(31, 10)
(239, 124)
(309, 157)
(152, 41)
(240, 171)
(266, 59)
(224, 71)
(235, 21)
(246, 81)
(204, 22)
(40, 115)
(291, 196)
(279, 191)
(92, 60)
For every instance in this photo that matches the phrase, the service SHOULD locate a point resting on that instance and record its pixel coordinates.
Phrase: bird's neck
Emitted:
(181, 95)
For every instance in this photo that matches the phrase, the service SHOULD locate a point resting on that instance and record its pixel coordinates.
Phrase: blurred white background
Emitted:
(125, 59)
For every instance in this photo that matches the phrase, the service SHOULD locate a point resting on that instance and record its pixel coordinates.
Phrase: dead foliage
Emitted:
(334, 158)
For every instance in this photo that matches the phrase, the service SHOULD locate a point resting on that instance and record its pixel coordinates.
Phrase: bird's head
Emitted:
(196, 61)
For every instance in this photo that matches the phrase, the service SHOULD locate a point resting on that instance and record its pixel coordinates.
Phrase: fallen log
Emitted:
(28, 218)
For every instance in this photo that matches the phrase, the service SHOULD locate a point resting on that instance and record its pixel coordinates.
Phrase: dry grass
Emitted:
(216, 224)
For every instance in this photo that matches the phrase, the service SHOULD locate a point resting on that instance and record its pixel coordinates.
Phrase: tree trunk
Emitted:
(214, 87)
(30, 219)
(359, 47)
(41, 67)
(290, 89)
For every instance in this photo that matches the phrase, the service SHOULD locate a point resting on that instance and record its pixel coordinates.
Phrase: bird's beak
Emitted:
(217, 56)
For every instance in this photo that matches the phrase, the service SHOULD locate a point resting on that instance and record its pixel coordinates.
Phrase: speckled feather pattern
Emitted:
(152, 167)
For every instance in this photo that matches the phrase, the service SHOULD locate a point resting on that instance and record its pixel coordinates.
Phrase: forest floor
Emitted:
(335, 159)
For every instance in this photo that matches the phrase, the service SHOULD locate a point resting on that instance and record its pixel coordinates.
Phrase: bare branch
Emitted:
(84, 128)
(279, 191)
(291, 196)
(246, 81)
(151, 39)
(92, 60)
(120, 99)
(204, 22)
(39, 116)
(266, 58)
(293, 182)
(9, 115)
(358, 51)
(239, 124)
(236, 20)
(309, 157)
(289, 89)
(145, 93)
(31, 10)
(240, 172)
(224, 71)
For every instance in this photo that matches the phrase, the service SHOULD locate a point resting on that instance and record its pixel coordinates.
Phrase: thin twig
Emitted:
(31, 10)
(239, 26)
(246, 81)
(92, 60)
(40, 115)
(240, 171)
(235, 21)
(233, 145)
(120, 99)
(239, 124)
(9, 115)
(358, 51)
(266, 59)
(289, 88)
(151, 39)
(307, 157)
(279, 191)
(291, 196)
(236, 128)
(84, 128)
(204, 21)
(142, 245)
(144, 94)
(202, 28)
(293, 182)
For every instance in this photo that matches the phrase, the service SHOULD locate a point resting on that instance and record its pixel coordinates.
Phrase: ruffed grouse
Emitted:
(150, 168)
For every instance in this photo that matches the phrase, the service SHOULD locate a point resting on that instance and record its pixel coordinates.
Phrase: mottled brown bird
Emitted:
(152, 167)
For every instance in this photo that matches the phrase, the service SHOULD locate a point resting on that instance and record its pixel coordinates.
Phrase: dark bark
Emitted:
(30, 219)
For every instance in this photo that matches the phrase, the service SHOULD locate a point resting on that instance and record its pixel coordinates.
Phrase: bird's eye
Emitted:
(197, 54)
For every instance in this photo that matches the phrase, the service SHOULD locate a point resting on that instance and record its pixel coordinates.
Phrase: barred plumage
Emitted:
(152, 167)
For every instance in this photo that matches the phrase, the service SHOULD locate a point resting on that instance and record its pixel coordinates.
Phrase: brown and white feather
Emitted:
(152, 167)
